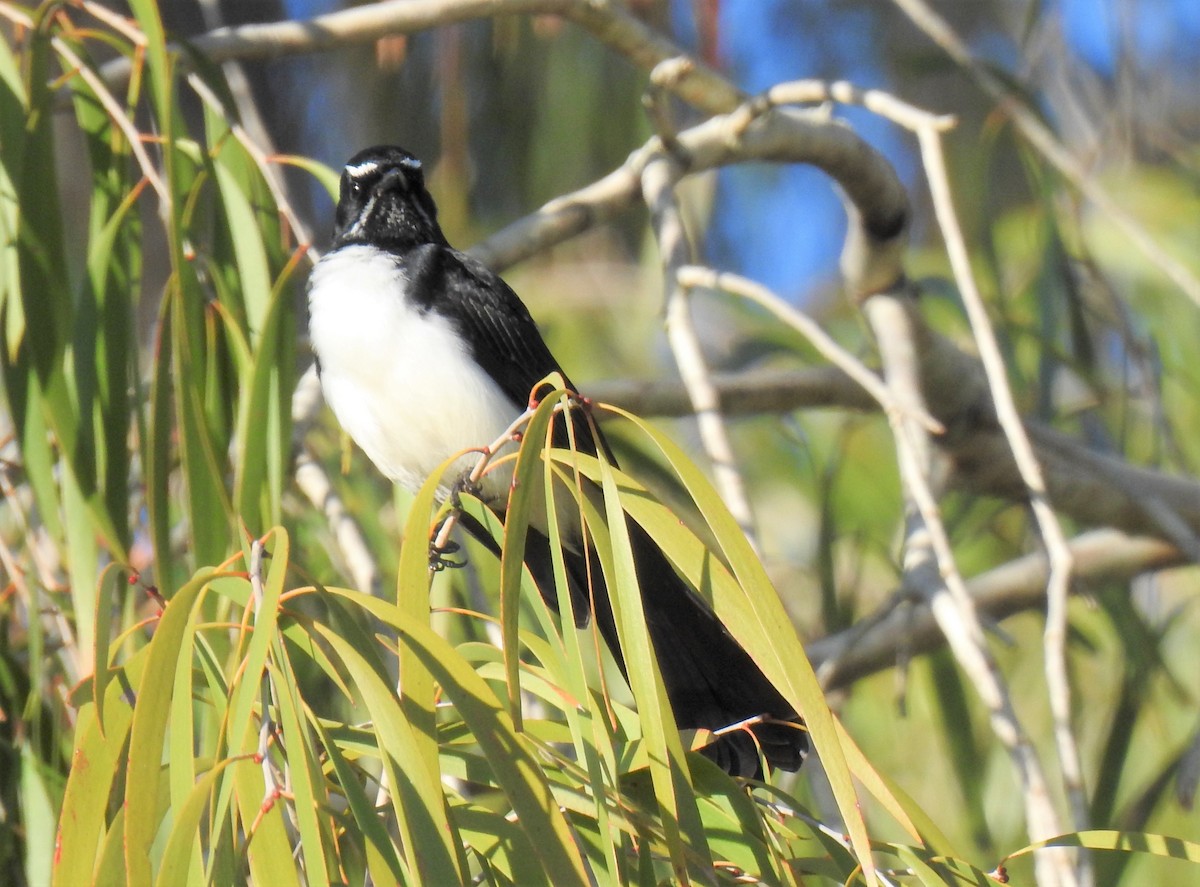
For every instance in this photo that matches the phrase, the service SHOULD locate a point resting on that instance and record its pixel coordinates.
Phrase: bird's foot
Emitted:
(441, 557)
(465, 484)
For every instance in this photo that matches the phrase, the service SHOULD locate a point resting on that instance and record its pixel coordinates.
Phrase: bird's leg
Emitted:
(442, 547)
(466, 483)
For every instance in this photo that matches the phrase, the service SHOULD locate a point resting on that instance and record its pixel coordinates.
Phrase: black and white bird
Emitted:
(423, 352)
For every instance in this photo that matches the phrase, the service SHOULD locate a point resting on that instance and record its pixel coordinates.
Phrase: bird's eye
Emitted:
(356, 188)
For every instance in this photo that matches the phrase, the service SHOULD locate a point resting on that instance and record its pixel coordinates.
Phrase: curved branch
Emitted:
(609, 22)
(879, 216)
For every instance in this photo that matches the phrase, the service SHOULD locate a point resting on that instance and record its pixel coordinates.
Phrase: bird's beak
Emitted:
(389, 178)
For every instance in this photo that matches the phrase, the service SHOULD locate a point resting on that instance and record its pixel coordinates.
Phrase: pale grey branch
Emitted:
(609, 22)
(1015, 587)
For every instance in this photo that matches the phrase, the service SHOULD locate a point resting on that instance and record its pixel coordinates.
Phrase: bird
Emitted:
(424, 352)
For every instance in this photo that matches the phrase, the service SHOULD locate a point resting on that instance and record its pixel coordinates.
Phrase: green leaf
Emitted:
(412, 597)
(110, 861)
(379, 845)
(208, 506)
(264, 416)
(668, 768)
(83, 557)
(181, 850)
(156, 451)
(587, 720)
(37, 814)
(13, 106)
(245, 232)
(111, 580)
(151, 713)
(95, 763)
(327, 177)
(1126, 842)
(181, 759)
(105, 354)
(415, 790)
(523, 492)
(515, 769)
(755, 617)
(503, 843)
(318, 846)
(160, 64)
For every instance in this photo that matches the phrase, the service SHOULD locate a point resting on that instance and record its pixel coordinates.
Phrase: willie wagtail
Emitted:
(423, 352)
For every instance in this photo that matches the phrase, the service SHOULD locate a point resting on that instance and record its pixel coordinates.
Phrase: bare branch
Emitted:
(1054, 639)
(609, 22)
(743, 393)
(878, 223)
(1015, 587)
(314, 483)
(659, 178)
(1093, 488)
(1096, 489)
(929, 567)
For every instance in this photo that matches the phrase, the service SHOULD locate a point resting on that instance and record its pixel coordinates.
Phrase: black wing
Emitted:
(711, 681)
(494, 321)
(505, 341)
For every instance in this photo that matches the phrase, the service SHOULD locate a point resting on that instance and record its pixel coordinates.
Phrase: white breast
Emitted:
(401, 382)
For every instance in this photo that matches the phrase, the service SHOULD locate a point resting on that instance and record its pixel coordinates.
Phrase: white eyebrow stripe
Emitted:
(411, 163)
(361, 169)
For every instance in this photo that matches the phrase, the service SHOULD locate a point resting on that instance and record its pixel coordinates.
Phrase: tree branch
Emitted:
(1015, 587)
(609, 22)
(748, 392)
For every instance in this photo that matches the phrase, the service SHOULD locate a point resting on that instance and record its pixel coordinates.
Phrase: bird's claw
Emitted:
(440, 557)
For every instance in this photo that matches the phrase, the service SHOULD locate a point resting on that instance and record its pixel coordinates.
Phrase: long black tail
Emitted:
(711, 682)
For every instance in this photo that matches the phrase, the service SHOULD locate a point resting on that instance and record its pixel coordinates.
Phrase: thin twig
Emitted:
(691, 276)
(486, 455)
(929, 565)
(118, 116)
(886, 105)
(1054, 639)
(659, 178)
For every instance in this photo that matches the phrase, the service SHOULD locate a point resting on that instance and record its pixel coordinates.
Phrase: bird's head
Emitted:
(383, 201)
